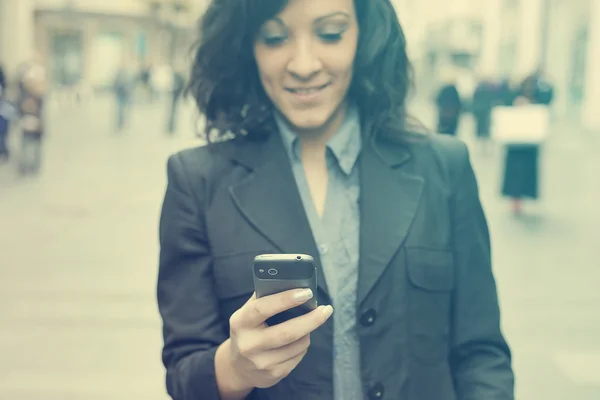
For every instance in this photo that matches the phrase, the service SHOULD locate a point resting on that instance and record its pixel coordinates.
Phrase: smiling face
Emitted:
(305, 58)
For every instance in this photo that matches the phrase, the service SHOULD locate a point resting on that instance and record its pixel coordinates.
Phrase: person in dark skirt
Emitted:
(521, 166)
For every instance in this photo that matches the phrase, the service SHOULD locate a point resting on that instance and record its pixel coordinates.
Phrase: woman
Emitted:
(323, 162)
(521, 164)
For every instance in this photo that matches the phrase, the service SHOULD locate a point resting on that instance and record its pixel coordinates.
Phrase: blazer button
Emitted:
(376, 392)
(368, 318)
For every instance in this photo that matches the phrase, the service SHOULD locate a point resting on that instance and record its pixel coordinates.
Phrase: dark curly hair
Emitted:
(227, 89)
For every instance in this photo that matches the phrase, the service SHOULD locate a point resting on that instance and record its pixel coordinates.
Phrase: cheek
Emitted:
(342, 62)
(271, 65)
(344, 71)
(266, 82)
(264, 64)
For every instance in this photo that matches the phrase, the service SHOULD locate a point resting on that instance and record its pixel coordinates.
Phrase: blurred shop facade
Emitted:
(469, 40)
(86, 41)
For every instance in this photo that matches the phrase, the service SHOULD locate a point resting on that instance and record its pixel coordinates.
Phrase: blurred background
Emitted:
(79, 209)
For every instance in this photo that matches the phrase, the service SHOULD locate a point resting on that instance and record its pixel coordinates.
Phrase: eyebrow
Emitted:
(324, 17)
(333, 14)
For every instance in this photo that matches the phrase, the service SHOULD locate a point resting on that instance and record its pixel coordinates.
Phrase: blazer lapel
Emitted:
(389, 201)
(270, 201)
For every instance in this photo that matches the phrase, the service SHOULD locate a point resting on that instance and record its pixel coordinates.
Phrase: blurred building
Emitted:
(590, 62)
(559, 36)
(16, 32)
(85, 41)
(514, 38)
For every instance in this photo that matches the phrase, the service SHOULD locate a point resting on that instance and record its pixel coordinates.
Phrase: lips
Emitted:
(305, 91)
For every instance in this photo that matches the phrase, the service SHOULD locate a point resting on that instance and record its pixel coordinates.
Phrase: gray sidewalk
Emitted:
(78, 249)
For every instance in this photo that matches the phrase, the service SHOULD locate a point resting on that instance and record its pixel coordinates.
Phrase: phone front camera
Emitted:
(298, 257)
(272, 272)
(262, 271)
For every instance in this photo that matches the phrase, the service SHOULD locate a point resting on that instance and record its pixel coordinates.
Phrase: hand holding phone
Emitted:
(270, 334)
(259, 356)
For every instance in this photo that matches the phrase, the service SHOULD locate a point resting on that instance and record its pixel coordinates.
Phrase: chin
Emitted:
(309, 120)
(308, 125)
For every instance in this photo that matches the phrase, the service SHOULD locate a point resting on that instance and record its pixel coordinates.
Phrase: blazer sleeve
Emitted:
(192, 326)
(480, 356)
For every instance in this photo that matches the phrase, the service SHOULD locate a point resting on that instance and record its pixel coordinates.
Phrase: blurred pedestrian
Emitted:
(33, 84)
(484, 99)
(449, 107)
(506, 92)
(145, 79)
(521, 168)
(122, 89)
(176, 94)
(6, 115)
(3, 79)
(544, 87)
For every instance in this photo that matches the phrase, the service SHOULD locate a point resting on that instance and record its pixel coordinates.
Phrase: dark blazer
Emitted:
(428, 317)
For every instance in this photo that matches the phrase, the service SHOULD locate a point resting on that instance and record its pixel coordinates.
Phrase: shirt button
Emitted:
(368, 318)
(376, 392)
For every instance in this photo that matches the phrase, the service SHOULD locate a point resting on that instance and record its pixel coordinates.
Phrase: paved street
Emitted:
(78, 255)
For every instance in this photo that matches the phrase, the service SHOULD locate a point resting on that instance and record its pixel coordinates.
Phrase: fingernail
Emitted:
(303, 295)
(327, 311)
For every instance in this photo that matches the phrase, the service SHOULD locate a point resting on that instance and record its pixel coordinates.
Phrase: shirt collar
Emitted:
(345, 145)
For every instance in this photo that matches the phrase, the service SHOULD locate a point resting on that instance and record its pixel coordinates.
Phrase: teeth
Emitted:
(307, 91)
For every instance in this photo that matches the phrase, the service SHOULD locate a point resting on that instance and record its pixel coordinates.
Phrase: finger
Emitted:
(257, 311)
(290, 331)
(271, 358)
(237, 320)
(282, 370)
(251, 299)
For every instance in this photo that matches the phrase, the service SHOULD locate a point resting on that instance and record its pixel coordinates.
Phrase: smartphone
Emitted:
(275, 273)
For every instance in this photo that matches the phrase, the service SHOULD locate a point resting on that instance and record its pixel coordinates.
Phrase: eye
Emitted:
(331, 37)
(273, 41)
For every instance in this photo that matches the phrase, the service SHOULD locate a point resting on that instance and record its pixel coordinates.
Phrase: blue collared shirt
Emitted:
(337, 236)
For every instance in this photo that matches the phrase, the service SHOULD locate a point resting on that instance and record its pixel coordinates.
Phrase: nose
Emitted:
(304, 63)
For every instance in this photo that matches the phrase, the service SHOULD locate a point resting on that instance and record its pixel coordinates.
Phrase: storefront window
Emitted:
(107, 53)
(66, 58)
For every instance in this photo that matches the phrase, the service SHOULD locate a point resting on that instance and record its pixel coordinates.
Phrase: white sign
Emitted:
(524, 124)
